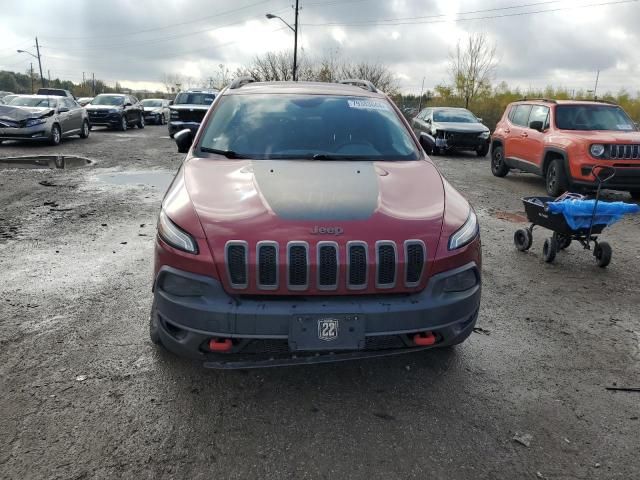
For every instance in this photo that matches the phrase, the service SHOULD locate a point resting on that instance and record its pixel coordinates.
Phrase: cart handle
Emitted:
(603, 173)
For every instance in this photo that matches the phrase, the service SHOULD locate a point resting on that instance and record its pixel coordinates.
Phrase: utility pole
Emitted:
(595, 90)
(39, 62)
(295, 46)
(31, 78)
(93, 80)
(420, 101)
(49, 77)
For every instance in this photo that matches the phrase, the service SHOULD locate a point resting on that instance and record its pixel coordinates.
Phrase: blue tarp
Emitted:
(578, 213)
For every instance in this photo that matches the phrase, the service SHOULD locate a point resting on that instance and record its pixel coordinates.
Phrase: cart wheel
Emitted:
(563, 241)
(603, 253)
(549, 249)
(522, 239)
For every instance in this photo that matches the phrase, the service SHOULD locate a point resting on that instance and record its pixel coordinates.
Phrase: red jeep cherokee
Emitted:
(562, 140)
(307, 224)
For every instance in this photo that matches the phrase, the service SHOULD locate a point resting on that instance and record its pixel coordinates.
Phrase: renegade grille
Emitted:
(622, 151)
(324, 274)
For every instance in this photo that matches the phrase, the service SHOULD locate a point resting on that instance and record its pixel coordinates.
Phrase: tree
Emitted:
(472, 66)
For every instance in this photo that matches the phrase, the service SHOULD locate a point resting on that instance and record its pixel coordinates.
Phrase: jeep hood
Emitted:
(283, 200)
(10, 112)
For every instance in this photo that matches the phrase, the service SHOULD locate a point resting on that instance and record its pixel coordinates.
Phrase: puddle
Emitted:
(45, 162)
(512, 217)
(160, 180)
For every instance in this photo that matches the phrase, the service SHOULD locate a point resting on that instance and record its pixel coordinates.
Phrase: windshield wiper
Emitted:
(226, 153)
(329, 156)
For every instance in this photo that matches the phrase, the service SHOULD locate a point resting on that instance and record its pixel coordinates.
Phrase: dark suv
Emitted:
(188, 110)
(116, 110)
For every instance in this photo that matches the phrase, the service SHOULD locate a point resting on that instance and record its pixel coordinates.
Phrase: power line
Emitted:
(394, 22)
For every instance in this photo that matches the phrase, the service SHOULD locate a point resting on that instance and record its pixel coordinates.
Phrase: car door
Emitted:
(514, 141)
(75, 114)
(533, 139)
(420, 124)
(64, 114)
(128, 109)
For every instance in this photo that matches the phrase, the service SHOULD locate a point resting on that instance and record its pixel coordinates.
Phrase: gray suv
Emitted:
(188, 110)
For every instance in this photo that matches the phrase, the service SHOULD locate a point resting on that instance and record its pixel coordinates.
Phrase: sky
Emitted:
(140, 42)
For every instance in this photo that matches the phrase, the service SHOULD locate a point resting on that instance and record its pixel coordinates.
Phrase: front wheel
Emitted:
(498, 167)
(56, 136)
(603, 253)
(482, 151)
(123, 124)
(556, 178)
(549, 249)
(140, 121)
(522, 239)
(84, 133)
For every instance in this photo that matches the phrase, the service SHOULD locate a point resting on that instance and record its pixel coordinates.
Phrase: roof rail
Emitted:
(240, 81)
(525, 99)
(366, 84)
(605, 101)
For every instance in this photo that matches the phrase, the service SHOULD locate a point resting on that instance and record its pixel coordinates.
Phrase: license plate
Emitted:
(334, 332)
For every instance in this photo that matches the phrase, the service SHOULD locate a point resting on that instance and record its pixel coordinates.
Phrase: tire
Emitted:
(556, 178)
(482, 151)
(603, 254)
(498, 167)
(161, 120)
(563, 241)
(86, 128)
(123, 124)
(171, 135)
(154, 334)
(56, 136)
(549, 249)
(522, 239)
(140, 123)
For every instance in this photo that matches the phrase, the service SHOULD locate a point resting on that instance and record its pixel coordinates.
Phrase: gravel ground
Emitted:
(84, 394)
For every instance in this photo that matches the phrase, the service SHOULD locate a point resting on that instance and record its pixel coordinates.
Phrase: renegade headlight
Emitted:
(35, 121)
(175, 236)
(597, 150)
(466, 233)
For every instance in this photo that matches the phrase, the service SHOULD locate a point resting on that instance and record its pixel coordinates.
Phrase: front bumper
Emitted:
(37, 132)
(260, 326)
(625, 178)
(110, 120)
(461, 141)
(175, 126)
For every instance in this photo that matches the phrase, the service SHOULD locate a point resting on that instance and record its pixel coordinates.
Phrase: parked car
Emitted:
(116, 110)
(83, 101)
(562, 140)
(4, 94)
(453, 129)
(42, 118)
(7, 98)
(56, 92)
(156, 110)
(306, 224)
(189, 108)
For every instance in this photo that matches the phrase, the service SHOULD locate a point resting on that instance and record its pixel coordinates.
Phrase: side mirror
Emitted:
(427, 142)
(536, 125)
(479, 120)
(63, 109)
(128, 104)
(170, 102)
(427, 120)
(184, 139)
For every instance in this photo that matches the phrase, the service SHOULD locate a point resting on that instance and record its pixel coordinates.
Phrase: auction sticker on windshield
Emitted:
(368, 104)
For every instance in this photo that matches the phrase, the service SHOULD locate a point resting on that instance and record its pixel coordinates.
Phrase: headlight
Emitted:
(597, 150)
(35, 121)
(466, 233)
(484, 135)
(460, 281)
(174, 114)
(175, 236)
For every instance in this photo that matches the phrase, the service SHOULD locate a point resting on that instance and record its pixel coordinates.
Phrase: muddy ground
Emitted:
(84, 394)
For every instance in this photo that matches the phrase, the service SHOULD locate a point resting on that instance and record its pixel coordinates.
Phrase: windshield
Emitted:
(33, 102)
(194, 98)
(308, 126)
(151, 103)
(454, 116)
(592, 117)
(108, 100)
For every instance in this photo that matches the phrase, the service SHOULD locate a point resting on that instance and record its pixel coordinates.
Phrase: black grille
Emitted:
(267, 266)
(237, 264)
(623, 151)
(357, 265)
(327, 266)
(415, 262)
(386, 265)
(297, 266)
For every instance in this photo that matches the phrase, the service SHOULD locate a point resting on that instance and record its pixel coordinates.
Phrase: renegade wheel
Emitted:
(556, 179)
(549, 249)
(603, 254)
(498, 167)
(522, 239)
(55, 136)
(154, 335)
(482, 151)
(140, 121)
(123, 123)
(84, 133)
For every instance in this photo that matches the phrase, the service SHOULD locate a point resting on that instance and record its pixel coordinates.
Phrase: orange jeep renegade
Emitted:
(562, 140)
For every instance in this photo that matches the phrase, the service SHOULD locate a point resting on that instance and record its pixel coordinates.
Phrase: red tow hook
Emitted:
(424, 339)
(220, 344)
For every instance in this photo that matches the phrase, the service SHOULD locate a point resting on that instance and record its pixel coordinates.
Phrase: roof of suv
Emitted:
(307, 88)
(547, 101)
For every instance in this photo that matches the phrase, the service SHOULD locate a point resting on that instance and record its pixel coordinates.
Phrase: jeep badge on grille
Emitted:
(317, 230)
